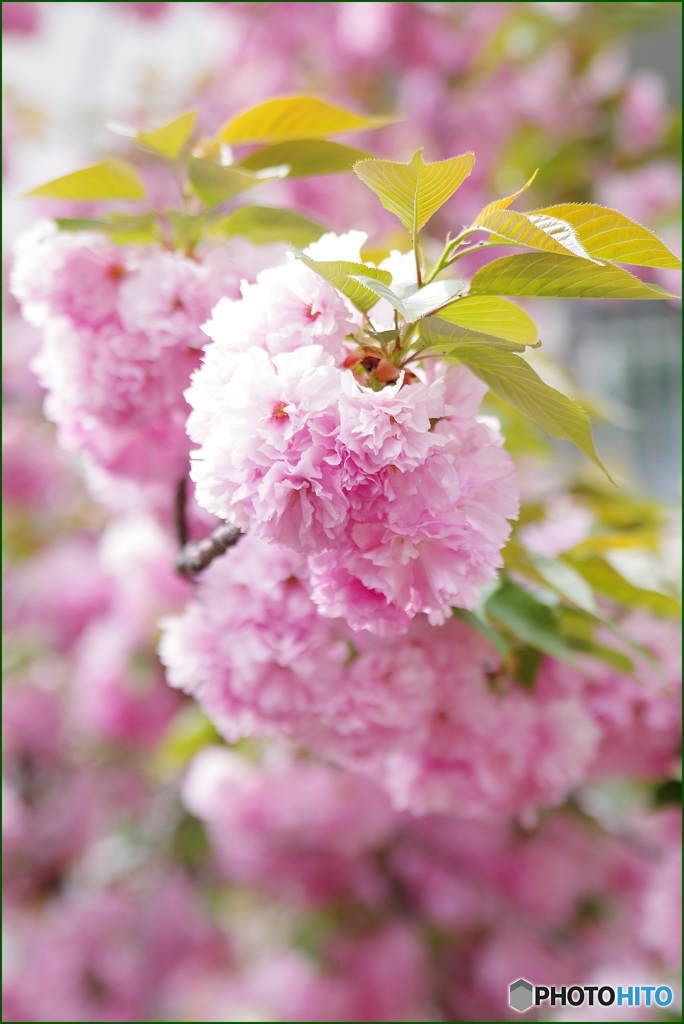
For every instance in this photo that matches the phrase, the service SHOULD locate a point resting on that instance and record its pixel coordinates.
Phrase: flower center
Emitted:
(278, 412)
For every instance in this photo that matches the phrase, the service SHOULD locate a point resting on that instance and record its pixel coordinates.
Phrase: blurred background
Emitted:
(587, 92)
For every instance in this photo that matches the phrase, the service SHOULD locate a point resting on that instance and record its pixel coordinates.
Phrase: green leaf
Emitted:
(609, 235)
(170, 139)
(607, 580)
(579, 628)
(294, 117)
(188, 228)
(565, 277)
(608, 655)
(189, 731)
(666, 794)
(111, 179)
(514, 380)
(492, 316)
(264, 224)
(527, 619)
(503, 204)
(345, 277)
(415, 190)
(555, 573)
(305, 158)
(498, 642)
(120, 228)
(439, 338)
(423, 302)
(213, 184)
(533, 230)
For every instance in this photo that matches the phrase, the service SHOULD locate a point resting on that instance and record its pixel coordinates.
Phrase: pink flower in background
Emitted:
(643, 113)
(22, 19)
(638, 714)
(121, 336)
(301, 830)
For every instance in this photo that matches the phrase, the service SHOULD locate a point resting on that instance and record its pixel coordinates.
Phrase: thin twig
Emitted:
(196, 557)
(181, 518)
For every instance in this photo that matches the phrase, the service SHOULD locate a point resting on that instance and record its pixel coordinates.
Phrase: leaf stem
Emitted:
(416, 252)
(469, 249)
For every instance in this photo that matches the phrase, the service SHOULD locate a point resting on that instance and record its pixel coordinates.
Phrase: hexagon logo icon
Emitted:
(521, 995)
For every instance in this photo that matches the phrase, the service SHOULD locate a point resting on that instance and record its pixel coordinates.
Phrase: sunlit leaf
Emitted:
(304, 158)
(514, 380)
(493, 316)
(609, 235)
(119, 227)
(579, 629)
(605, 579)
(415, 190)
(527, 619)
(345, 277)
(439, 338)
(265, 224)
(294, 117)
(561, 276)
(213, 183)
(503, 204)
(423, 302)
(555, 573)
(188, 228)
(170, 139)
(111, 179)
(187, 734)
(534, 231)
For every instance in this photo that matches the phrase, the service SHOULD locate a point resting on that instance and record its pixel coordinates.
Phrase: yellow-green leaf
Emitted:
(213, 183)
(605, 579)
(555, 573)
(189, 731)
(503, 204)
(188, 228)
(415, 190)
(609, 235)
(493, 316)
(423, 302)
(305, 158)
(514, 380)
(294, 117)
(565, 277)
(170, 139)
(111, 179)
(344, 276)
(534, 231)
(439, 338)
(140, 228)
(265, 224)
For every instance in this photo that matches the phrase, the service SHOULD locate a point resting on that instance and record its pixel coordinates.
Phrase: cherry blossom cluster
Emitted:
(120, 338)
(398, 494)
(433, 717)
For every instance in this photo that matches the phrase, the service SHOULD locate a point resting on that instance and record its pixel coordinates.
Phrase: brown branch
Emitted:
(180, 516)
(196, 557)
